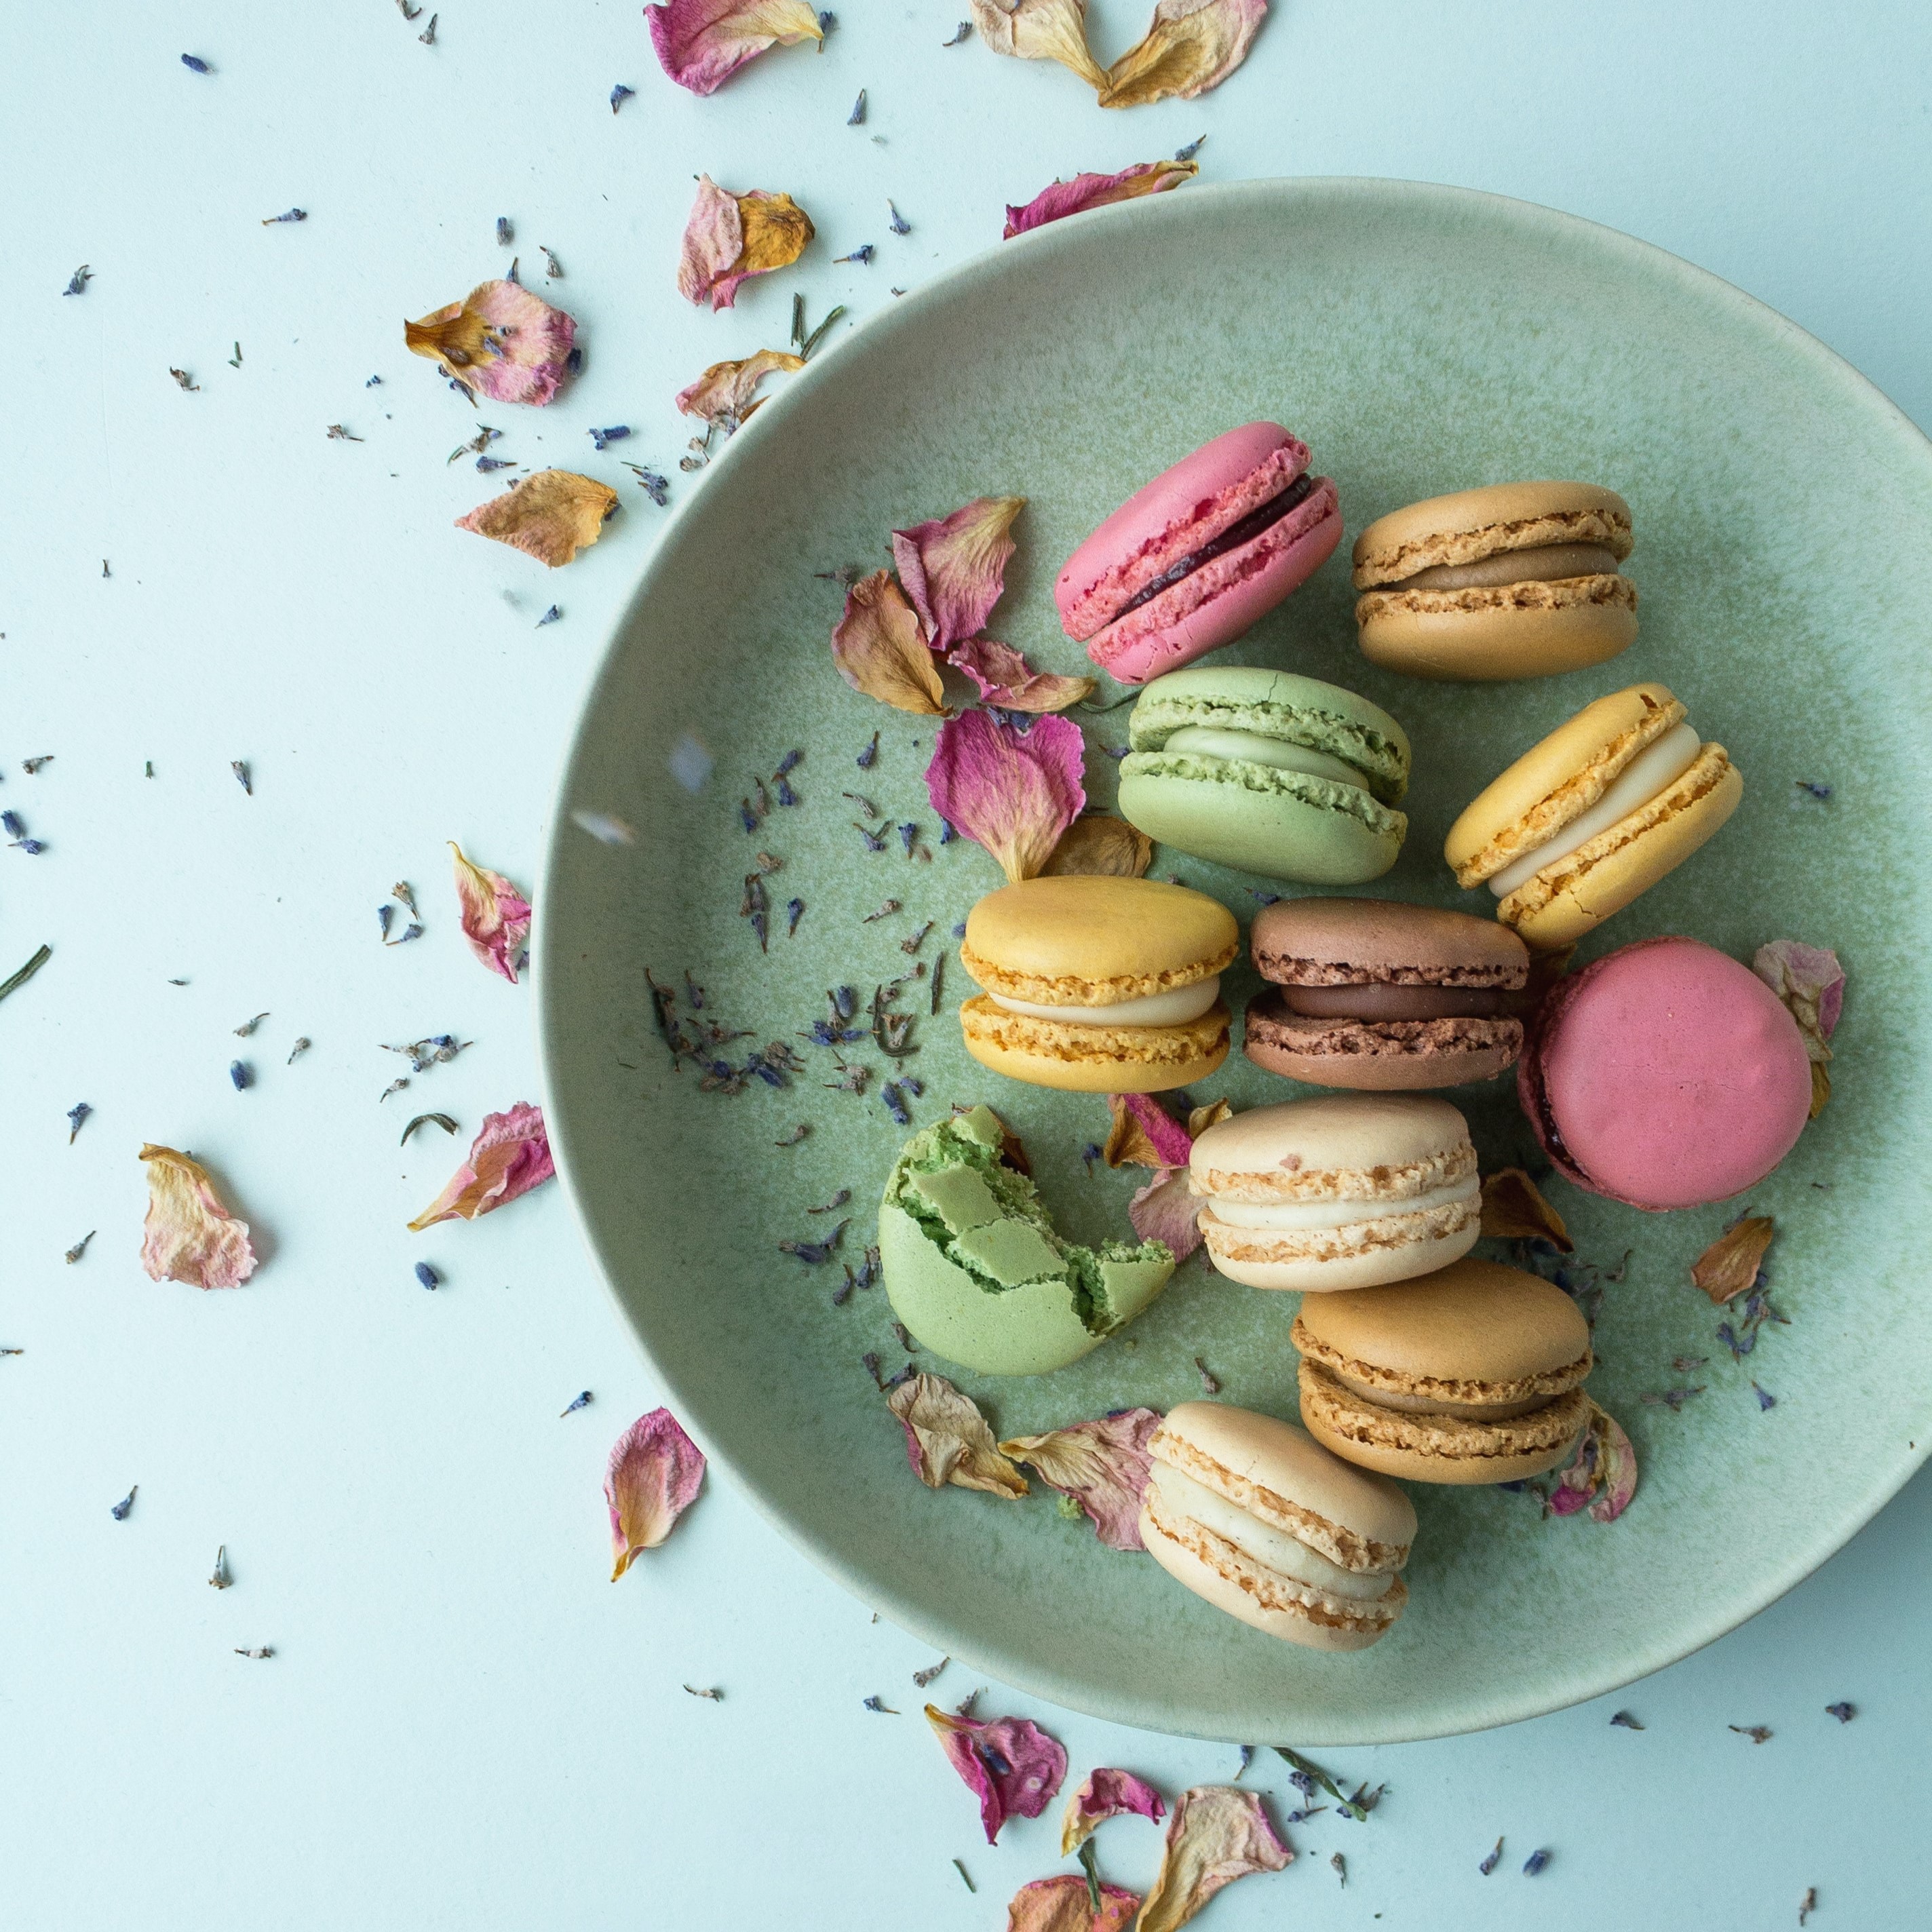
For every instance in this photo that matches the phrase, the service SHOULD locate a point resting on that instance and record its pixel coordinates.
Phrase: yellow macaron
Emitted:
(1595, 815)
(1098, 985)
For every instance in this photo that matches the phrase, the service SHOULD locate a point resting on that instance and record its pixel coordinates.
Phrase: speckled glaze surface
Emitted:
(1422, 339)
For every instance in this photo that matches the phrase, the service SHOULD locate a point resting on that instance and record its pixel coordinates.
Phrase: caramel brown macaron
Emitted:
(1518, 580)
(1382, 997)
(1474, 1374)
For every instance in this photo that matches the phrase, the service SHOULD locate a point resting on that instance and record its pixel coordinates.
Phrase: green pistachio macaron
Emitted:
(975, 1270)
(1283, 775)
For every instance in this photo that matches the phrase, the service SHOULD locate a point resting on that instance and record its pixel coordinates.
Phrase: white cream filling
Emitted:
(1208, 741)
(1653, 769)
(1271, 1548)
(1293, 1214)
(1175, 1007)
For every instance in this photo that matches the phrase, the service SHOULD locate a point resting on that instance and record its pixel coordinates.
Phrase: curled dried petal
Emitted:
(1514, 1210)
(1015, 792)
(508, 1158)
(1102, 1464)
(1200, 1119)
(1100, 843)
(1167, 1209)
(1004, 677)
(1010, 1764)
(879, 651)
(954, 568)
(727, 393)
(551, 516)
(1144, 1134)
(1085, 191)
(500, 340)
(189, 1236)
(496, 916)
(948, 1440)
(1730, 1264)
(1602, 1474)
(1053, 30)
(1062, 1903)
(653, 1478)
(701, 43)
(730, 237)
(1192, 46)
(1217, 1834)
(1107, 1794)
(1811, 983)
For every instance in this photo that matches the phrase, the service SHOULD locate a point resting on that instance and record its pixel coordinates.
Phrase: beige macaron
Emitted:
(1258, 1518)
(1518, 580)
(1472, 1375)
(1595, 815)
(1342, 1192)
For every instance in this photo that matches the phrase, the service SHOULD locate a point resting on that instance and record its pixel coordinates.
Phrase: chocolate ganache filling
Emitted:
(1250, 526)
(1380, 1001)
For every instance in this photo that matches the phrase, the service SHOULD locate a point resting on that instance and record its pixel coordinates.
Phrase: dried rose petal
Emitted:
(1099, 843)
(1811, 983)
(1102, 1464)
(551, 516)
(948, 1440)
(496, 916)
(1053, 30)
(510, 1156)
(726, 394)
(1085, 191)
(954, 568)
(1144, 1134)
(1202, 1118)
(653, 1479)
(878, 649)
(189, 1236)
(701, 43)
(1730, 1264)
(1167, 1210)
(1602, 1473)
(500, 341)
(1015, 792)
(1192, 45)
(1217, 1835)
(1004, 677)
(731, 237)
(1010, 1765)
(1514, 1210)
(1062, 1903)
(1106, 1794)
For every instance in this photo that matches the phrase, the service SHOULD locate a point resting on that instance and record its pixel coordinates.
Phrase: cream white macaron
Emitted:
(1253, 1515)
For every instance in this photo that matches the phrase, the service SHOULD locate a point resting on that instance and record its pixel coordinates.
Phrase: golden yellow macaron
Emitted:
(1595, 815)
(1517, 580)
(1098, 985)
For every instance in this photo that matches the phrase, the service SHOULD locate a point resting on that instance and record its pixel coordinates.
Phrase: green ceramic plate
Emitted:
(1421, 340)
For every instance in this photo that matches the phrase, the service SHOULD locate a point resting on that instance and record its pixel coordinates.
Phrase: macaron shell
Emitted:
(1094, 1059)
(1353, 1147)
(1388, 1057)
(1516, 631)
(1362, 1255)
(1468, 524)
(1332, 942)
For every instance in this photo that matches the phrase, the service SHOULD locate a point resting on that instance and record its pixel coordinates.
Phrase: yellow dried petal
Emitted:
(1101, 844)
(1730, 1264)
(551, 516)
(1192, 46)
(1054, 30)
(878, 649)
(1514, 1210)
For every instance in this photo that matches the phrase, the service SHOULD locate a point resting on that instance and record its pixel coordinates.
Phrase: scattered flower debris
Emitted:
(1535, 1862)
(500, 340)
(220, 1579)
(1811, 983)
(1210, 1383)
(508, 1157)
(604, 438)
(1191, 149)
(77, 286)
(119, 1511)
(243, 777)
(552, 267)
(710, 1692)
(31, 766)
(857, 116)
(1759, 1734)
(701, 43)
(551, 516)
(183, 380)
(959, 35)
(287, 215)
(1735, 1261)
(550, 617)
(188, 1235)
(654, 1473)
(1765, 1400)
(1808, 787)
(260, 1650)
(897, 222)
(13, 984)
(438, 1050)
(496, 916)
(506, 232)
(1489, 1863)
(1006, 681)
(1085, 191)
(1807, 1904)
(79, 1248)
(77, 1116)
(880, 1705)
(581, 1400)
(241, 1074)
(1844, 1713)
(862, 255)
(965, 1878)
(1602, 1475)
(792, 1139)
(657, 487)
(337, 434)
(427, 36)
(814, 1254)
(427, 1275)
(1514, 1210)
(1674, 1399)
(620, 94)
(923, 1679)
(954, 567)
(1010, 1764)
(249, 1026)
(1339, 1865)
(1308, 1778)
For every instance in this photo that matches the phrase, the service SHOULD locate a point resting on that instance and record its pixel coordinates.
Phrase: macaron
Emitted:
(1665, 1074)
(1099, 985)
(1271, 772)
(1255, 1516)
(1204, 551)
(1595, 815)
(1519, 579)
(1346, 1191)
(1474, 1374)
(975, 1269)
(1380, 997)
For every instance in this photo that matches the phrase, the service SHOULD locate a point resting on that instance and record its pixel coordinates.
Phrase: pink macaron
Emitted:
(1204, 551)
(1666, 1075)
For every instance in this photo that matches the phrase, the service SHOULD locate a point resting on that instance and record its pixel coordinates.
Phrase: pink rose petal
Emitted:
(1602, 1475)
(189, 1236)
(1106, 1794)
(496, 916)
(1062, 1903)
(878, 649)
(1144, 1134)
(1217, 1835)
(947, 1440)
(1192, 46)
(1014, 791)
(1010, 1765)
(500, 340)
(730, 238)
(954, 568)
(1085, 191)
(654, 1475)
(1167, 1209)
(510, 1156)
(726, 394)
(1811, 983)
(701, 43)
(1102, 1464)
(1004, 677)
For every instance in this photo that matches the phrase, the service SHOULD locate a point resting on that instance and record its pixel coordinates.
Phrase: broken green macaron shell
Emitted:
(975, 1270)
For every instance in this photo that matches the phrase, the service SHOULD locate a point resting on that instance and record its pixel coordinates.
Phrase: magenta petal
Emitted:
(1085, 191)
(701, 43)
(1004, 677)
(508, 1158)
(1167, 1209)
(1010, 1764)
(1171, 1142)
(1014, 791)
(1602, 1474)
(954, 568)
(654, 1475)
(1107, 1794)
(1102, 1464)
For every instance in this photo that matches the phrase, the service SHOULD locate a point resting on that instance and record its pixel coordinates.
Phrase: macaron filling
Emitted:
(1244, 530)
(1207, 741)
(1546, 563)
(1341, 1214)
(1381, 999)
(1175, 1006)
(1653, 771)
(1423, 1405)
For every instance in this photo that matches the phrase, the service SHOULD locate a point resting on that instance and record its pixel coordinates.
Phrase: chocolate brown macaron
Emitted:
(1518, 580)
(1474, 1374)
(1380, 997)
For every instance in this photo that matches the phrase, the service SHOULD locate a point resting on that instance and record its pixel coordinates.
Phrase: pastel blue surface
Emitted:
(464, 1723)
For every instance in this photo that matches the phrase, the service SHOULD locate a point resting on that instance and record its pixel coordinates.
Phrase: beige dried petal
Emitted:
(1103, 844)
(1730, 1264)
(551, 516)
(1192, 46)
(949, 1441)
(878, 649)
(1514, 1210)
(1053, 30)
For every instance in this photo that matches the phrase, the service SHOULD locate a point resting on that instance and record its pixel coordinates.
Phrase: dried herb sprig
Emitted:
(1308, 1778)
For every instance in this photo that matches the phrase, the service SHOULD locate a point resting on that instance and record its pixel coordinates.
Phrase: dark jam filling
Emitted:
(1249, 527)
(1376, 1002)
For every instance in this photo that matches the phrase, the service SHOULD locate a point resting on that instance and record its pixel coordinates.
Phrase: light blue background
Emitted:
(464, 1723)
